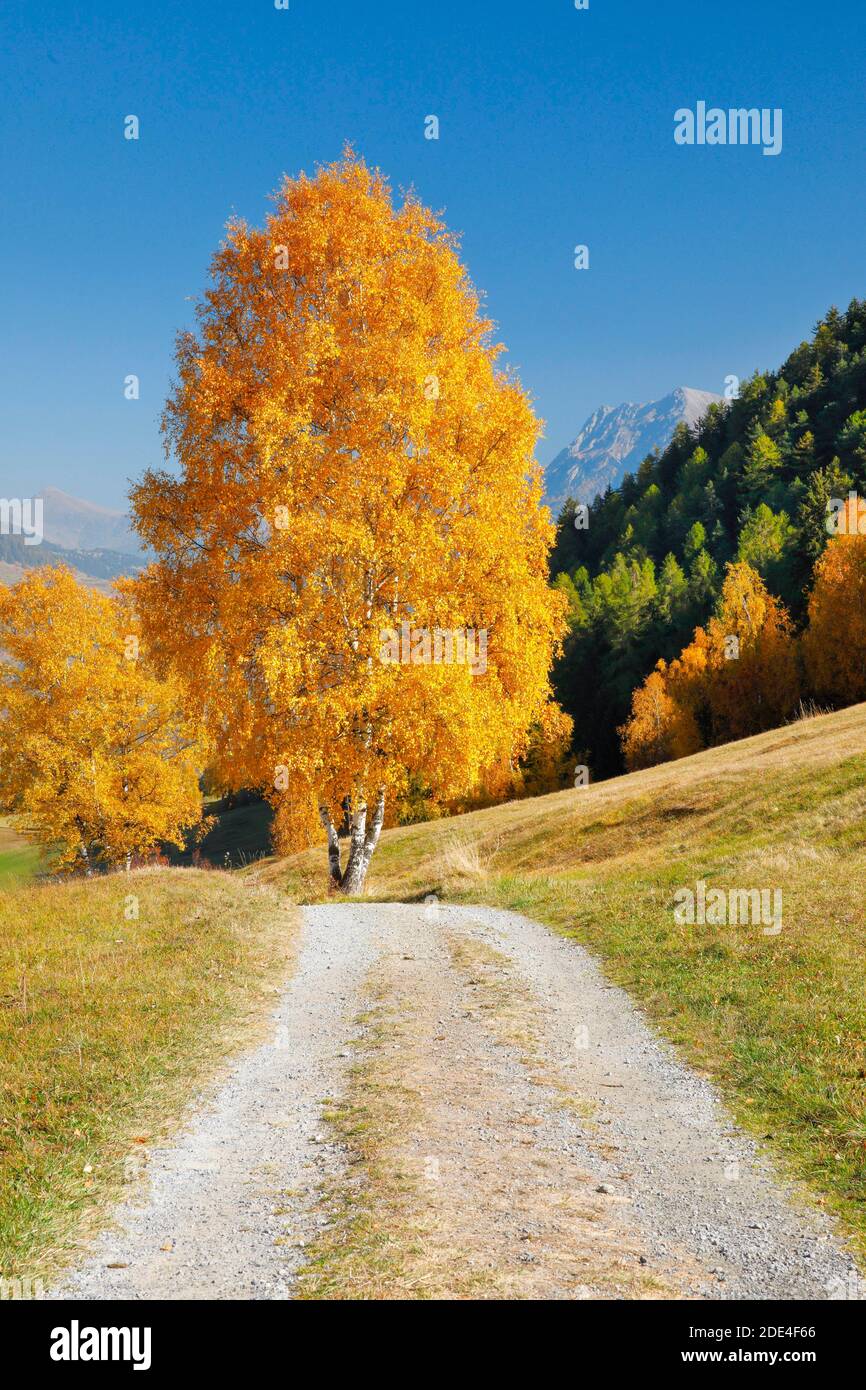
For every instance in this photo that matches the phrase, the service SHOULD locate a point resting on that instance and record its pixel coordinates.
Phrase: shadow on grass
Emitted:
(241, 835)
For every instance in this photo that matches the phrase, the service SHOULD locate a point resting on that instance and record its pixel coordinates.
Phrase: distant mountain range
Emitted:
(615, 440)
(94, 567)
(78, 525)
(96, 542)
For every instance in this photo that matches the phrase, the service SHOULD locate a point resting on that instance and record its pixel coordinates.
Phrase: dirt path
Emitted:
(456, 1103)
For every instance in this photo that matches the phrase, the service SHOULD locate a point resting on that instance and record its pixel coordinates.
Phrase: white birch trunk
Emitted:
(375, 830)
(364, 842)
(353, 878)
(335, 871)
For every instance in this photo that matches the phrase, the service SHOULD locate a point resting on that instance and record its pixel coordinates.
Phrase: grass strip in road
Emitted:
(373, 1247)
(777, 1022)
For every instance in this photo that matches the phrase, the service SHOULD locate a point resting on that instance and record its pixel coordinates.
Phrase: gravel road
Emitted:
(228, 1209)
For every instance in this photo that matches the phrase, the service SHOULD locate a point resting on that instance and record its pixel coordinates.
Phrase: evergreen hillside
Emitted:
(752, 482)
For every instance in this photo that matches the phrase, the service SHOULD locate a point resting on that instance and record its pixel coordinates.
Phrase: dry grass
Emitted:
(371, 1249)
(503, 1002)
(464, 860)
(107, 1024)
(778, 1022)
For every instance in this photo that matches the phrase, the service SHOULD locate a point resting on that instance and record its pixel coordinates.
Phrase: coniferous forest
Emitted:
(752, 487)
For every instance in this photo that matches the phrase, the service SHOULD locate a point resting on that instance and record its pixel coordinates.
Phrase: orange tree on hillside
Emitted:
(354, 473)
(97, 759)
(660, 728)
(752, 663)
(737, 677)
(834, 644)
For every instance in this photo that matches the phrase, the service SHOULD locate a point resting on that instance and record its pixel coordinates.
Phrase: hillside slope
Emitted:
(18, 859)
(779, 1022)
(94, 568)
(752, 484)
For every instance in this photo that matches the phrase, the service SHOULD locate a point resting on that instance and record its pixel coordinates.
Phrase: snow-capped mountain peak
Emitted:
(616, 439)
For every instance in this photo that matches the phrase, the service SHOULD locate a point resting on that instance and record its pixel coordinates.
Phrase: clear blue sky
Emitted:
(556, 129)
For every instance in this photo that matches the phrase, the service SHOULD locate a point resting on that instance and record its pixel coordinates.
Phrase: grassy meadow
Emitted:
(779, 1023)
(18, 859)
(108, 1023)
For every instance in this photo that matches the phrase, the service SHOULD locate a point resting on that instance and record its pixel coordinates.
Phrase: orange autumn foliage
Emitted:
(737, 677)
(350, 460)
(760, 687)
(98, 761)
(660, 728)
(834, 646)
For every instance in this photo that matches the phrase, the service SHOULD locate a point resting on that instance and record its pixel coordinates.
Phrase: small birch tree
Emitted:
(98, 761)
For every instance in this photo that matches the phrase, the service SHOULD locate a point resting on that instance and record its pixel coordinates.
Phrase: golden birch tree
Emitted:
(351, 560)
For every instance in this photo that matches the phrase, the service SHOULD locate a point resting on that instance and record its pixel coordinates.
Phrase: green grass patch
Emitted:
(117, 998)
(19, 861)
